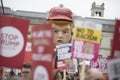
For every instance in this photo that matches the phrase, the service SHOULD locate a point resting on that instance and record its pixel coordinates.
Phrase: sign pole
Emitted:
(82, 74)
(64, 71)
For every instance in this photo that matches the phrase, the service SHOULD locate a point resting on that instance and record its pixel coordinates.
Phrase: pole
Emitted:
(2, 7)
(82, 74)
(64, 73)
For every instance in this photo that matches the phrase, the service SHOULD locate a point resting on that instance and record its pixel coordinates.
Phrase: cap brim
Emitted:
(59, 17)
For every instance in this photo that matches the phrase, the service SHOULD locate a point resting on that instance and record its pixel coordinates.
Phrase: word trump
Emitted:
(8, 40)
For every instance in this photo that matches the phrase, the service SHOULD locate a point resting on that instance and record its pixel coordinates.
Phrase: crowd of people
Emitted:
(62, 21)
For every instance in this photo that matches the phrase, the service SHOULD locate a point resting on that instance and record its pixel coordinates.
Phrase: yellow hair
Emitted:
(60, 22)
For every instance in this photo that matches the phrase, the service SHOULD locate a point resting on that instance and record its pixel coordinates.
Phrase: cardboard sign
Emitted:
(64, 51)
(13, 37)
(86, 40)
(115, 52)
(42, 52)
(114, 69)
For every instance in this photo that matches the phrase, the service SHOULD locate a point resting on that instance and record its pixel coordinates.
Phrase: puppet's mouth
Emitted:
(59, 41)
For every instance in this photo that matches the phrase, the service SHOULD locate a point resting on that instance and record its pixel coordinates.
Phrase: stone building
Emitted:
(97, 10)
(40, 17)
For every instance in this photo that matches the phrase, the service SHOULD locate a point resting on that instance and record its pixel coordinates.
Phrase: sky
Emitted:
(78, 7)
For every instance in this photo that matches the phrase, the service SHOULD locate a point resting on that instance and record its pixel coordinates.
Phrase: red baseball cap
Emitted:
(60, 13)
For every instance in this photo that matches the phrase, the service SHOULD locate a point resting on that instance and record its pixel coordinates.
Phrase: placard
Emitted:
(64, 51)
(86, 40)
(13, 37)
(42, 52)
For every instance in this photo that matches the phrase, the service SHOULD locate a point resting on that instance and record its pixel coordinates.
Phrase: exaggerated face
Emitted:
(26, 73)
(62, 33)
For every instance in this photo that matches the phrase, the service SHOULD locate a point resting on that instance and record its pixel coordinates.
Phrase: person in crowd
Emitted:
(94, 74)
(26, 71)
(61, 20)
(58, 76)
(13, 76)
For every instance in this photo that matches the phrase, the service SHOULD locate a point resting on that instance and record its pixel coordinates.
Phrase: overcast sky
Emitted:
(78, 7)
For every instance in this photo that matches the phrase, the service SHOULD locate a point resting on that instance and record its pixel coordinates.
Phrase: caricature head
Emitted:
(61, 20)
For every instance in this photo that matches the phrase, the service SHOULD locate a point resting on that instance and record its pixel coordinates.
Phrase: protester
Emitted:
(58, 76)
(13, 76)
(26, 71)
(62, 20)
(94, 74)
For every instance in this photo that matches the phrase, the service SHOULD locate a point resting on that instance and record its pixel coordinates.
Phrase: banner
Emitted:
(42, 52)
(86, 40)
(115, 51)
(13, 37)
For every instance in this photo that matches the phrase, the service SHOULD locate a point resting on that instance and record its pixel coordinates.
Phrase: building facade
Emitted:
(40, 17)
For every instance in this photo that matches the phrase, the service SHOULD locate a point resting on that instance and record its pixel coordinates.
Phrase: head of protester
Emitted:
(94, 74)
(61, 19)
(26, 71)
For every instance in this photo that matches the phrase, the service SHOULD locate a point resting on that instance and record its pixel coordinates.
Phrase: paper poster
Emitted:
(42, 52)
(114, 69)
(86, 40)
(13, 37)
(64, 51)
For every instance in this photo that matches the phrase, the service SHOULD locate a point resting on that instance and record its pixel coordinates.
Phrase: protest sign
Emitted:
(13, 37)
(100, 63)
(42, 52)
(115, 51)
(86, 40)
(63, 51)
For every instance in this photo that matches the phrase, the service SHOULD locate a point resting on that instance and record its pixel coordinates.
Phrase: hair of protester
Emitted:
(27, 65)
